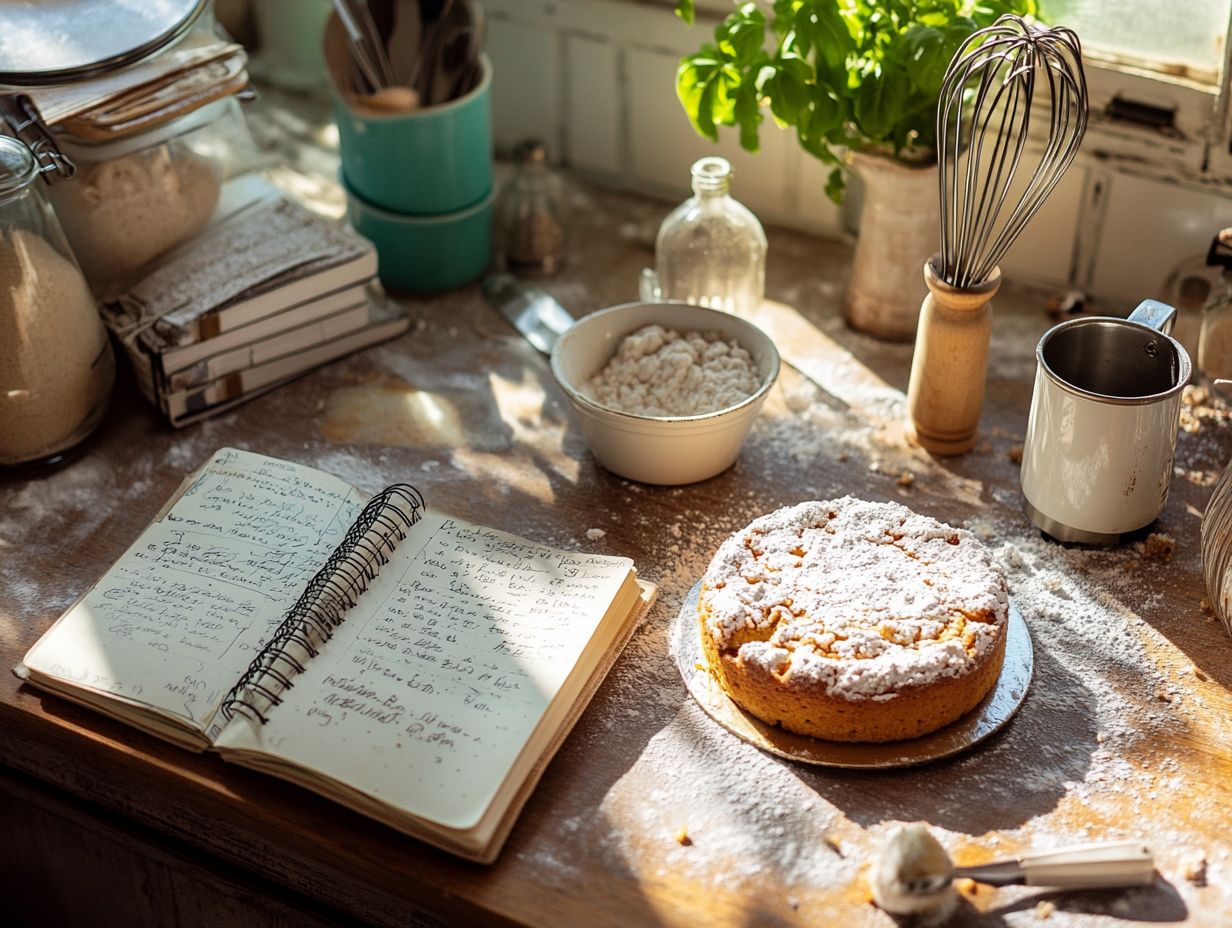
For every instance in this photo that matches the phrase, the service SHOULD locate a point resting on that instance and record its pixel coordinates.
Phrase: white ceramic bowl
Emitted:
(666, 450)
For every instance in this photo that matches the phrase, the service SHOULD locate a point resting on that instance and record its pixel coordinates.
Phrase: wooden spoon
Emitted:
(433, 16)
(405, 41)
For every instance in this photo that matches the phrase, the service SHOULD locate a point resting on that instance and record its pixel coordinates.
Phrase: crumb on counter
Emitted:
(967, 886)
(906, 479)
(1015, 454)
(1200, 406)
(1044, 910)
(682, 837)
(1193, 867)
(1158, 546)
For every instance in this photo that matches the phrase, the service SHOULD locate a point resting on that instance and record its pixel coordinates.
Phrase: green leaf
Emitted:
(925, 52)
(826, 112)
(686, 10)
(836, 183)
(742, 35)
(781, 22)
(819, 27)
(879, 100)
(986, 12)
(820, 122)
(748, 115)
(701, 86)
(786, 87)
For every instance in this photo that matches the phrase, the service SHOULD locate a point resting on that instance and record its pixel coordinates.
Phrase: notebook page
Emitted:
(430, 688)
(178, 618)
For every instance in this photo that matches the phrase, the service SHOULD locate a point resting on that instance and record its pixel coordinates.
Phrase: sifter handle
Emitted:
(1154, 314)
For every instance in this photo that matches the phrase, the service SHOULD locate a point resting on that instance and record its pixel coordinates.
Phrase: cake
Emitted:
(852, 620)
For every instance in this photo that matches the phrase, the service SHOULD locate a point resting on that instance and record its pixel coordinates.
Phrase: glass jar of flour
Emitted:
(137, 197)
(711, 250)
(56, 365)
(141, 99)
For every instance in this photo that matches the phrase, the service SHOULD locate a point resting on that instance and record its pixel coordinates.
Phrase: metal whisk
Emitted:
(983, 123)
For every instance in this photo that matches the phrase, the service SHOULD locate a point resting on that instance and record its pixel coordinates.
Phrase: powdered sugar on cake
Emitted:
(659, 372)
(863, 598)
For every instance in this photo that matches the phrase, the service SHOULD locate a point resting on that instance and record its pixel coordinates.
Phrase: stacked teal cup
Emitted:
(419, 187)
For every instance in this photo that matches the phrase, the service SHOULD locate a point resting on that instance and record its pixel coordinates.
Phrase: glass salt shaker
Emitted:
(711, 250)
(530, 216)
(56, 364)
(1215, 337)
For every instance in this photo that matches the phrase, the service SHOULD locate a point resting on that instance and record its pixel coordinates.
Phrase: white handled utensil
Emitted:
(1085, 866)
(913, 873)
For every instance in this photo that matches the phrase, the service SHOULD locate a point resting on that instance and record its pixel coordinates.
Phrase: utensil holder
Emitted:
(948, 370)
(424, 254)
(428, 161)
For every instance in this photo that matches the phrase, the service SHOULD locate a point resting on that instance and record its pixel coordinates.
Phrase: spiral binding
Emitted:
(322, 606)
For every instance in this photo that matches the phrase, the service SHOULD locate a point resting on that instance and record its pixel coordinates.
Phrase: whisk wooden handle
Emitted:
(946, 392)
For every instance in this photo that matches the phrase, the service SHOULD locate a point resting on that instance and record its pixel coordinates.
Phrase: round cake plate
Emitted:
(997, 708)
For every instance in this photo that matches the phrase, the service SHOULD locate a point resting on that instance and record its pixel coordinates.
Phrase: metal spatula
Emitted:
(531, 311)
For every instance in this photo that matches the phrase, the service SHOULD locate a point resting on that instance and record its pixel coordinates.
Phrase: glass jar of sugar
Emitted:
(56, 364)
(141, 99)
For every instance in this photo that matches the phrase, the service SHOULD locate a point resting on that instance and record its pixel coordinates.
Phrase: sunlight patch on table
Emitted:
(390, 411)
(832, 405)
(505, 475)
(827, 363)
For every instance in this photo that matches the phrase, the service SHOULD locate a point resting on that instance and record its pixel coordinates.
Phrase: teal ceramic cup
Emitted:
(431, 161)
(425, 254)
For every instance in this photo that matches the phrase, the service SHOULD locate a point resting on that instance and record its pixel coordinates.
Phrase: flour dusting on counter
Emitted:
(1107, 679)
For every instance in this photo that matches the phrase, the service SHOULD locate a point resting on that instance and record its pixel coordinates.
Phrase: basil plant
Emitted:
(845, 74)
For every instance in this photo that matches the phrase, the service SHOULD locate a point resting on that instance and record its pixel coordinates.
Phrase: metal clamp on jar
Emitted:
(141, 99)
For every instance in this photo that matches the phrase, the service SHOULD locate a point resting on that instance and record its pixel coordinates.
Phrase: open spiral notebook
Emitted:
(412, 666)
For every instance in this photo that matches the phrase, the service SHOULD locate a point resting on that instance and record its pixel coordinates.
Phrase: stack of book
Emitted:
(264, 295)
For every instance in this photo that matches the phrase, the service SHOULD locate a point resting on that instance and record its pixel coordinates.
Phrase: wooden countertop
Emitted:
(1125, 731)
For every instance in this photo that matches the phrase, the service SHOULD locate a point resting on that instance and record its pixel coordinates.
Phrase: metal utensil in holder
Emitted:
(983, 126)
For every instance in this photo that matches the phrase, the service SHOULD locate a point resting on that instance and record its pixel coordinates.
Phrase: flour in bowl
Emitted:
(659, 372)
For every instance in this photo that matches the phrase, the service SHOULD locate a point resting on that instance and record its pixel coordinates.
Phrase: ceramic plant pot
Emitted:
(898, 232)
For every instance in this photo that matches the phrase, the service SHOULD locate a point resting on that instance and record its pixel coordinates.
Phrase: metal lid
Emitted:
(17, 165)
(57, 41)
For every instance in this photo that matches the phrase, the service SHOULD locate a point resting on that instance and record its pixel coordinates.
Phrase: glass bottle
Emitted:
(1215, 337)
(530, 216)
(711, 250)
(56, 365)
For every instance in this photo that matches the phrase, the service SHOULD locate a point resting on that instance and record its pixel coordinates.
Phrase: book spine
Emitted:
(323, 605)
